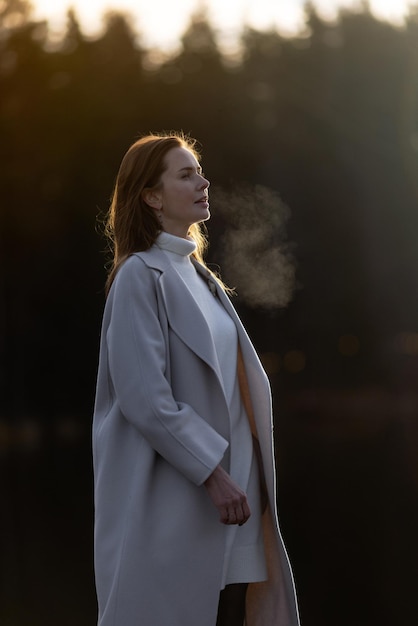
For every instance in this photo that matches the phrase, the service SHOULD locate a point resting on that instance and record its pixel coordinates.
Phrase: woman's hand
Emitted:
(228, 497)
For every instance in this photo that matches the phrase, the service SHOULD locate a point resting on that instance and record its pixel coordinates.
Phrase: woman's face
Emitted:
(182, 197)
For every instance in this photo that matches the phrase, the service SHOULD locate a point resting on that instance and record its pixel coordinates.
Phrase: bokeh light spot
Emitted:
(294, 361)
(407, 343)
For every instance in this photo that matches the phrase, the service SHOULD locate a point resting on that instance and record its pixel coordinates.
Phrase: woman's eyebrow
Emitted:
(191, 169)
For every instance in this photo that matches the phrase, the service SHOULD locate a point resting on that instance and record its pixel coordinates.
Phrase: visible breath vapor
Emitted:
(255, 257)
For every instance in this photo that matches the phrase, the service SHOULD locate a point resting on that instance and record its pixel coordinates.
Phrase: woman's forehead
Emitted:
(179, 158)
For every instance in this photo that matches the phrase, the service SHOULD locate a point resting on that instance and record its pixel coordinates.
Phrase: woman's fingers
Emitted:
(232, 517)
(237, 515)
(246, 512)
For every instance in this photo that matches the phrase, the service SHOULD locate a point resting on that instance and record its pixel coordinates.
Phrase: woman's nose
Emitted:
(205, 183)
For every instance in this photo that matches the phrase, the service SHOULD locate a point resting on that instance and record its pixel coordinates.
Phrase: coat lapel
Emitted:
(183, 312)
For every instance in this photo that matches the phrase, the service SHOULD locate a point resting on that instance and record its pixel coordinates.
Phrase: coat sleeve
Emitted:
(137, 358)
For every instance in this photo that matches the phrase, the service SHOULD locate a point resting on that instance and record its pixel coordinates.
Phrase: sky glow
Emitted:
(161, 22)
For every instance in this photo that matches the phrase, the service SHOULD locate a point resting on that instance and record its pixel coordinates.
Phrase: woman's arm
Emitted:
(137, 361)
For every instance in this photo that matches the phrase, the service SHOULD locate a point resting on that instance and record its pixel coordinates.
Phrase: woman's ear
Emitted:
(152, 197)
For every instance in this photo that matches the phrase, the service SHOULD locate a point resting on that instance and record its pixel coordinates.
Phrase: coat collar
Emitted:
(183, 312)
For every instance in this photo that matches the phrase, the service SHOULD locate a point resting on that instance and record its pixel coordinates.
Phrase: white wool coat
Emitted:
(160, 428)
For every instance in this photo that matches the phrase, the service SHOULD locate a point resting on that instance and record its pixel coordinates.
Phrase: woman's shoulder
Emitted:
(132, 271)
(133, 264)
(151, 262)
(140, 270)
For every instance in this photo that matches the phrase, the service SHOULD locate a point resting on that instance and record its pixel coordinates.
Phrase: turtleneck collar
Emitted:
(178, 245)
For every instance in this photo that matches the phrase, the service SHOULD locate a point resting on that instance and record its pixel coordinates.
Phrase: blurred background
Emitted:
(308, 120)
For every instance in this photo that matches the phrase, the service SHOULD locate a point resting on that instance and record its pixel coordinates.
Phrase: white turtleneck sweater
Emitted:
(244, 550)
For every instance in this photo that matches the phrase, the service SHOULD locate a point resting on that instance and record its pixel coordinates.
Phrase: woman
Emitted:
(182, 437)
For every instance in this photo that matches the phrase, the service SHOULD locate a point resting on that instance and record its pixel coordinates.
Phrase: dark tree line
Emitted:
(328, 121)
